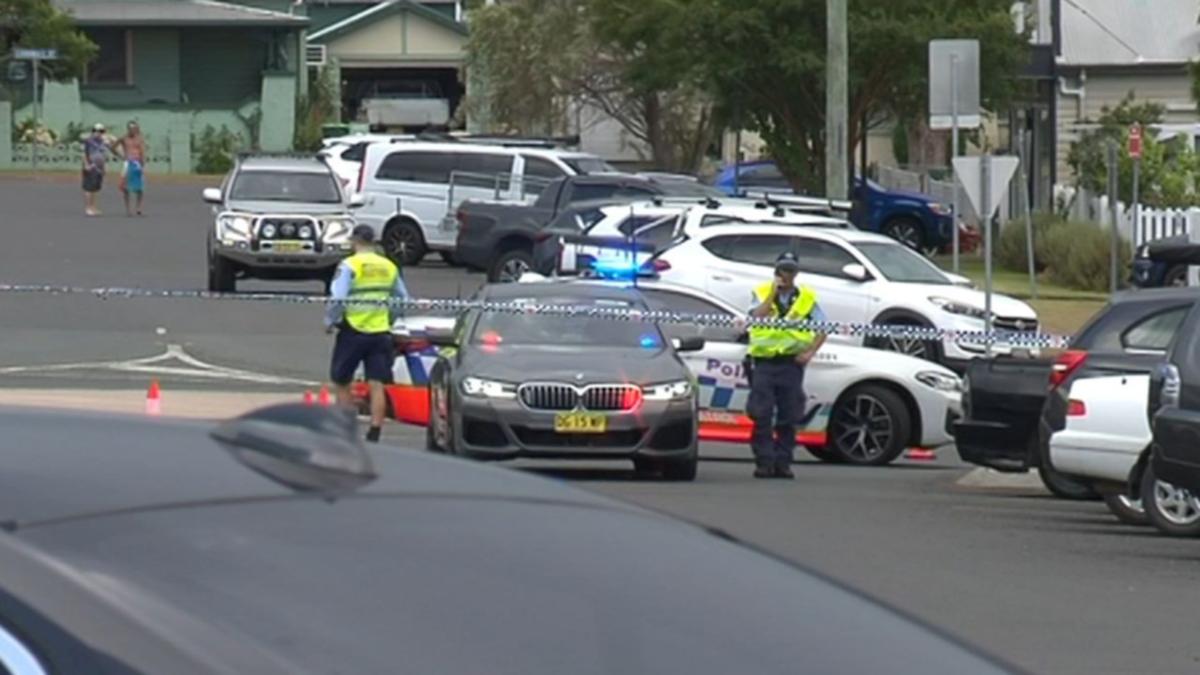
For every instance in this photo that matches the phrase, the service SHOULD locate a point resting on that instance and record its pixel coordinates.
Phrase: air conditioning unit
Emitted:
(315, 55)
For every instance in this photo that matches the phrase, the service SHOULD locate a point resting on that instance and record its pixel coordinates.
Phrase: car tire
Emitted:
(1176, 276)
(431, 440)
(680, 470)
(907, 231)
(926, 350)
(1127, 510)
(1059, 485)
(222, 278)
(1171, 510)
(448, 258)
(510, 265)
(850, 434)
(403, 242)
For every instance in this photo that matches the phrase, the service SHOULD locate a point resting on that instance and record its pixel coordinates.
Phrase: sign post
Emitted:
(954, 102)
(1113, 210)
(1135, 153)
(983, 177)
(35, 57)
(1026, 152)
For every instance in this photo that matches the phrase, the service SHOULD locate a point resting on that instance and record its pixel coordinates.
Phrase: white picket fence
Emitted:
(1150, 223)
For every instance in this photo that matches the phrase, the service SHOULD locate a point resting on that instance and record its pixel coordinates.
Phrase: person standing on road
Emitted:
(778, 358)
(133, 149)
(364, 329)
(94, 158)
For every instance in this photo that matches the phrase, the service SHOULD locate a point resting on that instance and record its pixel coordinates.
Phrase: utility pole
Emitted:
(837, 180)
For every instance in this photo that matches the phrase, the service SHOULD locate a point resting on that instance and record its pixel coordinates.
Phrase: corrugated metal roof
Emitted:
(173, 13)
(1129, 32)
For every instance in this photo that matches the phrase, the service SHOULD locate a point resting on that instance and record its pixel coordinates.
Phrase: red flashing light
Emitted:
(1076, 408)
(660, 265)
(631, 399)
(491, 341)
(1066, 363)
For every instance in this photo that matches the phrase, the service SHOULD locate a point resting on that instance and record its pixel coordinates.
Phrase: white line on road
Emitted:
(158, 365)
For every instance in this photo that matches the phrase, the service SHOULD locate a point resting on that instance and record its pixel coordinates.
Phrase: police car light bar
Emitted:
(812, 202)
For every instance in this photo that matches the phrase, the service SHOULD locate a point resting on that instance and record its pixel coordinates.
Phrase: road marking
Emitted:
(158, 365)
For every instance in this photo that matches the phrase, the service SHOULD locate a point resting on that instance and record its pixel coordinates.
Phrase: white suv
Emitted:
(409, 187)
(859, 277)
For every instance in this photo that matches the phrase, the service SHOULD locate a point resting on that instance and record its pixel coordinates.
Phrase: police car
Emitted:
(864, 406)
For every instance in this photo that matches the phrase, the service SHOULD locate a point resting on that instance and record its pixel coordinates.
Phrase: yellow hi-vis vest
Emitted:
(374, 279)
(766, 342)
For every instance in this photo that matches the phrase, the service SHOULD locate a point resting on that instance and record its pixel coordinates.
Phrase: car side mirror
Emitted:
(856, 272)
(212, 195)
(689, 344)
(441, 337)
(357, 201)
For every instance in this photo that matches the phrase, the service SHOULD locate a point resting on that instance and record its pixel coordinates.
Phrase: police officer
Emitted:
(778, 357)
(364, 329)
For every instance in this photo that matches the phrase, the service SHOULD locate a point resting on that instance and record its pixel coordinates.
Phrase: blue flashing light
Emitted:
(649, 341)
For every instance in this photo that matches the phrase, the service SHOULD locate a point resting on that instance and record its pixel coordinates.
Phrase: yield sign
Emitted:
(970, 171)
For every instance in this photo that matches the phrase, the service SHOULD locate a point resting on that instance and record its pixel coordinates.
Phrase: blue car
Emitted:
(1164, 262)
(913, 218)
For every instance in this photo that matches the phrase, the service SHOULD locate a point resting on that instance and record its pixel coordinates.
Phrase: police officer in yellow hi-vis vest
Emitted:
(364, 329)
(778, 357)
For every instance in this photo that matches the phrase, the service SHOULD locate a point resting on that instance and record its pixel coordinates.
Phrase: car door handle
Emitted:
(721, 277)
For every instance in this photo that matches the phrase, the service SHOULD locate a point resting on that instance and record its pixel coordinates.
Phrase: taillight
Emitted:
(659, 265)
(1076, 408)
(406, 345)
(1066, 363)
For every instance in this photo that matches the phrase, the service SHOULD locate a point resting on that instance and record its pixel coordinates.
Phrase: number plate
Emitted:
(288, 246)
(580, 423)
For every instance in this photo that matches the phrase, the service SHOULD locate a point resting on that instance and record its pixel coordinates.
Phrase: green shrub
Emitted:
(1011, 253)
(215, 150)
(1079, 254)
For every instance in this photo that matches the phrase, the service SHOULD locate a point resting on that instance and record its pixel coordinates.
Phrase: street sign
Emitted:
(969, 171)
(1135, 141)
(954, 84)
(23, 54)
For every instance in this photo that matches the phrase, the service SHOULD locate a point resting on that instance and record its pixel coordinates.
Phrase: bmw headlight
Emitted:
(338, 231)
(233, 228)
(481, 388)
(940, 381)
(670, 391)
(955, 307)
(268, 231)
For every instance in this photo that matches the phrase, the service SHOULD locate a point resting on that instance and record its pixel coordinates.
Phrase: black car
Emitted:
(1165, 262)
(565, 387)
(278, 544)
(1012, 406)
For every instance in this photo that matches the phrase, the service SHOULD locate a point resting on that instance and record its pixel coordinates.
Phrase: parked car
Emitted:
(860, 278)
(499, 236)
(277, 218)
(411, 186)
(277, 544)
(1165, 262)
(1014, 407)
(1172, 474)
(913, 402)
(918, 220)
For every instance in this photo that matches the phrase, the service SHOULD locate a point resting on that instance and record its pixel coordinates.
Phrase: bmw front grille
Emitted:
(595, 397)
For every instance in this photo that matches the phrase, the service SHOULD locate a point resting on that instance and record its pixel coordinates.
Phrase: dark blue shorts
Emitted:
(375, 351)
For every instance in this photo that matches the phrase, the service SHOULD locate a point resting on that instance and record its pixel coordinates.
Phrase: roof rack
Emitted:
(797, 201)
(252, 154)
(547, 142)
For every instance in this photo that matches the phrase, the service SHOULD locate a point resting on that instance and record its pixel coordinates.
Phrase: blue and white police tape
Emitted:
(1009, 338)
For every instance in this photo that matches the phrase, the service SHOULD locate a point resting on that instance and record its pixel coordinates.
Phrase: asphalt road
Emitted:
(1054, 586)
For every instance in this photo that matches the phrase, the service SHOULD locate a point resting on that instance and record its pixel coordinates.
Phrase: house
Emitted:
(178, 67)
(1109, 48)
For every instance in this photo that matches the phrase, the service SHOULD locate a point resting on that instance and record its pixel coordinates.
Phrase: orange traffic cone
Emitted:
(153, 399)
(324, 398)
(308, 398)
(921, 455)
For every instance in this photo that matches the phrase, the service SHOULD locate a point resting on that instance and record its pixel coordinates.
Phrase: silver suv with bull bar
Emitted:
(280, 217)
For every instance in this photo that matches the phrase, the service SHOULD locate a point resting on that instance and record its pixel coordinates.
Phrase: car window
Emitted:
(584, 193)
(899, 263)
(672, 301)
(822, 257)
(497, 329)
(1155, 332)
(417, 167)
(285, 186)
(587, 165)
(483, 170)
(356, 152)
(754, 249)
(659, 233)
(539, 173)
(634, 192)
(634, 223)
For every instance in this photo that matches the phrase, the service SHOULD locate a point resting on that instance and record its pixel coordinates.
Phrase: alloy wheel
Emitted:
(1176, 504)
(863, 429)
(512, 270)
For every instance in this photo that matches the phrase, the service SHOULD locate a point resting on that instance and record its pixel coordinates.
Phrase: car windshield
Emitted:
(495, 329)
(285, 186)
(901, 264)
(589, 165)
(687, 188)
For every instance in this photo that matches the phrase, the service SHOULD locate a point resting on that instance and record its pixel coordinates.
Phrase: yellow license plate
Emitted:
(288, 246)
(580, 423)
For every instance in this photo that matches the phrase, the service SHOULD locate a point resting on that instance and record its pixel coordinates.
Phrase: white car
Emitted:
(1106, 431)
(859, 278)
(864, 407)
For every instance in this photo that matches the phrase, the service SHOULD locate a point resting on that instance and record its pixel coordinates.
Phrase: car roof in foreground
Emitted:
(221, 571)
(288, 164)
(1155, 294)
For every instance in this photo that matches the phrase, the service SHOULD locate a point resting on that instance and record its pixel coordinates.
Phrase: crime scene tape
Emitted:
(1009, 338)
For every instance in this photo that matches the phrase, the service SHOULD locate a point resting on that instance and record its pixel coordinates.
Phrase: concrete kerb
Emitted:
(204, 405)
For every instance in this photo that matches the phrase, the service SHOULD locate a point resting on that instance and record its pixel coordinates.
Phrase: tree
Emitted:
(38, 24)
(1169, 168)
